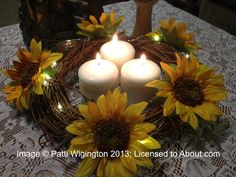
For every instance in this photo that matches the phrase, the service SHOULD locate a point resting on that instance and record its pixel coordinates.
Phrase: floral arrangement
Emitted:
(29, 74)
(109, 125)
(106, 27)
(175, 34)
(190, 90)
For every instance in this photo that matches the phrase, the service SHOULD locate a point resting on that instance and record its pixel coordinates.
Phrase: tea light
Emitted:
(97, 76)
(117, 51)
(135, 74)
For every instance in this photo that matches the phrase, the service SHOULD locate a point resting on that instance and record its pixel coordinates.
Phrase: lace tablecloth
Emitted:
(219, 51)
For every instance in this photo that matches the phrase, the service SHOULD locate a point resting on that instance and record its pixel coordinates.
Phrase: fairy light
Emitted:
(45, 83)
(59, 106)
(157, 37)
(46, 76)
(187, 56)
(54, 64)
(68, 42)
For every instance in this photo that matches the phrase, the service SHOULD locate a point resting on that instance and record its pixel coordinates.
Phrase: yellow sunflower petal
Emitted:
(122, 170)
(168, 70)
(184, 117)
(29, 57)
(36, 48)
(103, 18)
(79, 140)
(24, 99)
(53, 57)
(207, 110)
(160, 84)
(14, 94)
(163, 93)
(180, 108)
(95, 113)
(101, 167)
(144, 127)
(110, 168)
(75, 129)
(117, 103)
(150, 143)
(37, 83)
(129, 163)
(84, 111)
(90, 28)
(101, 103)
(193, 121)
(135, 109)
(138, 135)
(164, 24)
(85, 23)
(112, 17)
(181, 27)
(12, 74)
(214, 94)
(169, 105)
(93, 20)
(143, 161)
(171, 23)
(87, 167)
(9, 88)
(44, 55)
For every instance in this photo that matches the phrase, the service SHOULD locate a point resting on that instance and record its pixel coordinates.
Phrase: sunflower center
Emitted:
(28, 73)
(188, 92)
(111, 135)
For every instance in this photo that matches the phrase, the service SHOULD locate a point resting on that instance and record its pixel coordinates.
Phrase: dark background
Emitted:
(221, 13)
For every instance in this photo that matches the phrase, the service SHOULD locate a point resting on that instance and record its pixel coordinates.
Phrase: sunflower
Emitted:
(110, 125)
(29, 73)
(175, 34)
(105, 28)
(192, 89)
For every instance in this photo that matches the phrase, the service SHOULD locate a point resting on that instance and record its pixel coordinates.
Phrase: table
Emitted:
(219, 50)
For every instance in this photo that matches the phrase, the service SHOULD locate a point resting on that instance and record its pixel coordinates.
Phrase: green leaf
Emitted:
(50, 71)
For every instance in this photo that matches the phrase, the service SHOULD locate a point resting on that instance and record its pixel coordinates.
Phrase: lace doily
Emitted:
(218, 50)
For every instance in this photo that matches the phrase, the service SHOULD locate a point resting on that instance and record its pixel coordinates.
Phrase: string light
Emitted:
(59, 106)
(45, 83)
(68, 42)
(187, 56)
(157, 38)
(47, 76)
(54, 64)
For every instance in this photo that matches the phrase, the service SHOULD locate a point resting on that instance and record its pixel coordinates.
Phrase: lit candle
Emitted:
(117, 51)
(97, 76)
(135, 74)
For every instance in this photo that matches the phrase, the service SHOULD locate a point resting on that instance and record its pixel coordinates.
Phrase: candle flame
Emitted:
(143, 59)
(115, 38)
(98, 58)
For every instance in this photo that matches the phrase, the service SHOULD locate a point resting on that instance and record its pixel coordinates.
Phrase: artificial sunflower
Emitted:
(192, 89)
(106, 27)
(29, 73)
(110, 125)
(175, 34)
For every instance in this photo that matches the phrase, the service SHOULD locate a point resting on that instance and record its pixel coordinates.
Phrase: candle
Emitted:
(97, 76)
(135, 74)
(117, 51)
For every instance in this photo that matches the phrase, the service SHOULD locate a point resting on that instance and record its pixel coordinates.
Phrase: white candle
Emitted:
(97, 76)
(117, 51)
(135, 74)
